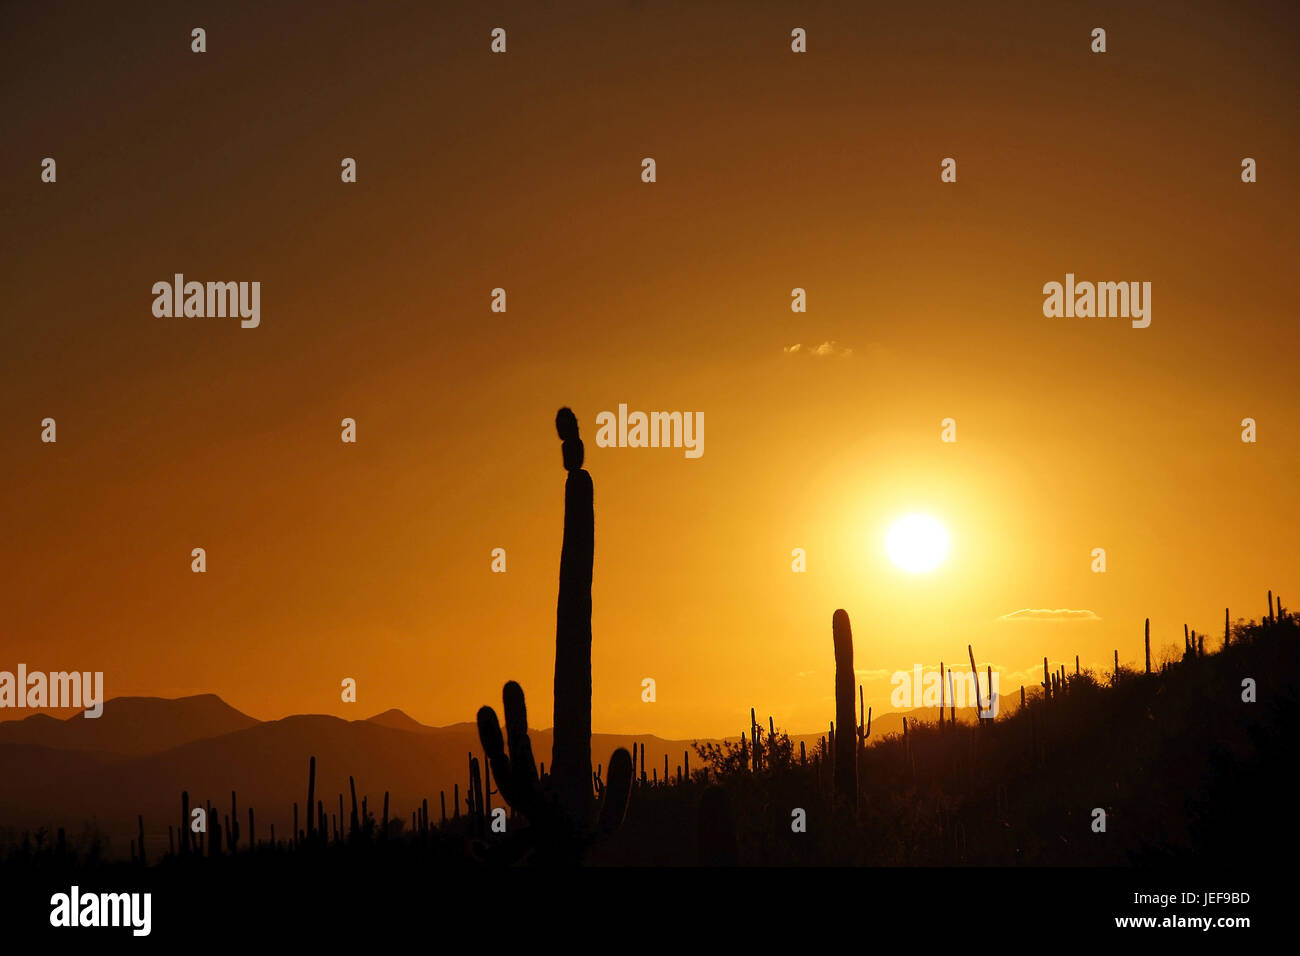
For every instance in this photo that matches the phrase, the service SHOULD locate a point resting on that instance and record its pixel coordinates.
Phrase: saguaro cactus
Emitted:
(185, 823)
(975, 674)
(557, 836)
(846, 764)
(942, 702)
(477, 814)
(571, 747)
(232, 837)
(1147, 642)
(311, 793)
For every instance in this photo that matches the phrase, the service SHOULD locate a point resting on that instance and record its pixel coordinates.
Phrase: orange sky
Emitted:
(775, 171)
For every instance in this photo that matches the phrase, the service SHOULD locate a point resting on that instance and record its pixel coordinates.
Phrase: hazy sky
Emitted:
(775, 171)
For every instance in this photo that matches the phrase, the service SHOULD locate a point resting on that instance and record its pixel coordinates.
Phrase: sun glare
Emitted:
(917, 543)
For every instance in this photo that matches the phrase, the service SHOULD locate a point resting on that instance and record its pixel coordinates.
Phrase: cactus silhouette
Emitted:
(975, 673)
(475, 796)
(571, 746)
(942, 702)
(185, 823)
(558, 806)
(846, 763)
(554, 835)
(232, 835)
(311, 795)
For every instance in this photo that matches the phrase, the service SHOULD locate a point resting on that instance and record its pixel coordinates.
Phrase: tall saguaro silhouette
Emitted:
(571, 748)
(846, 764)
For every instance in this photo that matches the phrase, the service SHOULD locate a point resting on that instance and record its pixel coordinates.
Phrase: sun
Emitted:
(917, 543)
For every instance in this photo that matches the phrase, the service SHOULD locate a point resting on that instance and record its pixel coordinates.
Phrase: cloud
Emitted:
(1045, 614)
(1032, 675)
(825, 350)
(878, 674)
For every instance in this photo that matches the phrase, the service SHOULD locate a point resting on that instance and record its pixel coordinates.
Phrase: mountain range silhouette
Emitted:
(143, 751)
